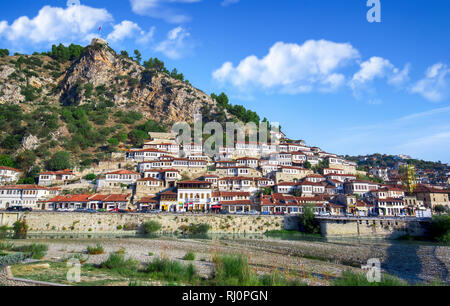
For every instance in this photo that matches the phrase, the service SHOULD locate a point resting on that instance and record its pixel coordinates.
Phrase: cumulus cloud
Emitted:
(163, 9)
(54, 24)
(292, 68)
(435, 86)
(378, 67)
(176, 44)
(128, 29)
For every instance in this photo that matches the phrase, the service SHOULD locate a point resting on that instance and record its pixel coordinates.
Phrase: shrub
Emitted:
(118, 263)
(440, 229)
(195, 229)
(20, 229)
(4, 231)
(190, 256)
(352, 279)
(231, 270)
(90, 177)
(6, 246)
(171, 270)
(151, 227)
(12, 259)
(35, 251)
(96, 250)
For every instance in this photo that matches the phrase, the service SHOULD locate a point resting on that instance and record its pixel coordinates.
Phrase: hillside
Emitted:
(91, 101)
(382, 160)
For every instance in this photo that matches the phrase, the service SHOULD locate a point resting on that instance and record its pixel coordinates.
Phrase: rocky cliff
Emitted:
(37, 78)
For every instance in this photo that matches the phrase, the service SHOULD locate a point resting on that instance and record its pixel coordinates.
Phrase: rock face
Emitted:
(131, 86)
(123, 81)
(30, 143)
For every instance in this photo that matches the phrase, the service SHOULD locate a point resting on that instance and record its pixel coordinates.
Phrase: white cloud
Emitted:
(292, 68)
(176, 44)
(162, 9)
(54, 24)
(378, 67)
(435, 86)
(123, 30)
(128, 29)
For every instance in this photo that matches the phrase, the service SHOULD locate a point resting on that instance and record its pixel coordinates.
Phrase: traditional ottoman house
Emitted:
(233, 202)
(56, 177)
(291, 174)
(27, 196)
(148, 203)
(118, 179)
(194, 195)
(148, 186)
(168, 201)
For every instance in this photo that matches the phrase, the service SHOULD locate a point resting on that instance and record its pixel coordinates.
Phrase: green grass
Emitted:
(234, 270)
(190, 256)
(95, 250)
(352, 279)
(6, 246)
(36, 251)
(118, 263)
(172, 271)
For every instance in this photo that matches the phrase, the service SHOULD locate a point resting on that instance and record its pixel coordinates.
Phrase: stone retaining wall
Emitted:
(373, 227)
(48, 222)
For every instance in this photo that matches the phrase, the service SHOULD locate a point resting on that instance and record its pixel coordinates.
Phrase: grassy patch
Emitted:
(118, 263)
(95, 250)
(190, 256)
(351, 279)
(36, 251)
(172, 271)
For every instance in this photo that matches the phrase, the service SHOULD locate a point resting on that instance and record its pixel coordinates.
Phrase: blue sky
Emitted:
(316, 66)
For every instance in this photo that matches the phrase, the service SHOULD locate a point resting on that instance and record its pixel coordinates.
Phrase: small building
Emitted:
(9, 175)
(56, 177)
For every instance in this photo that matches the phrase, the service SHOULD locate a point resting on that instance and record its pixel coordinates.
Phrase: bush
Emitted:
(231, 270)
(20, 229)
(35, 251)
(59, 161)
(96, 250)
(118, 263)
(440, 229)
(13, 259)
(90, 177)
(4, 232)
(171, 270)
(151, 227)
(190, 256)
(197, 229)
(308, 220)
(6, 246)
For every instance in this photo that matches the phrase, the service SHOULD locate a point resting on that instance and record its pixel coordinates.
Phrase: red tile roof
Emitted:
(9, 168)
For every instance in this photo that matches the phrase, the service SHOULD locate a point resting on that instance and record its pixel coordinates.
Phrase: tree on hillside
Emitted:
(59, 161)
(6, 161)
(137, 56)
(4, 52)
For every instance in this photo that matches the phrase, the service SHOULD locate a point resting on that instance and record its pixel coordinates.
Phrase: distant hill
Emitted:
(382, 160)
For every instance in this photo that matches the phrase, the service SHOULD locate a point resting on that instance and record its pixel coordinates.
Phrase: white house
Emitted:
(194, 196)
(9, 175)
(55, 177)
(27, 196)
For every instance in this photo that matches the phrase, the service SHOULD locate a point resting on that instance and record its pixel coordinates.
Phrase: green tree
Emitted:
(6, 161)
(4, 52)
(137, 56)
(308, 219)
(59, 161)
(307, 165)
